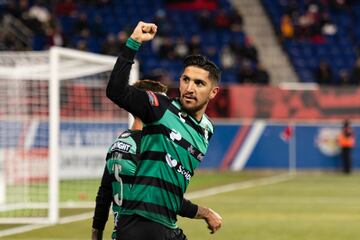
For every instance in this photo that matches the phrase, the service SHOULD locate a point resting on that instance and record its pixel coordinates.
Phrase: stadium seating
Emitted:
(338, 50)
(123, 15)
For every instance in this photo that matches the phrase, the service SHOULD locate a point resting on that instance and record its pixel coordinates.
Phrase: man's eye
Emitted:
(199, 83)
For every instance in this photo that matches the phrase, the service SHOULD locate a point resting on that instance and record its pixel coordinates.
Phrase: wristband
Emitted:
(133, 44)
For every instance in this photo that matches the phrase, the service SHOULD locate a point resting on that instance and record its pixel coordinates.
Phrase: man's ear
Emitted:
(213, 92)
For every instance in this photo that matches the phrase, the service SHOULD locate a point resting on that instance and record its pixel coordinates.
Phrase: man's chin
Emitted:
(192, 106)
(189, 107)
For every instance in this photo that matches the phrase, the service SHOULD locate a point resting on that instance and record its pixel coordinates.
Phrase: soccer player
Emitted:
(175, 138)
(120, 168)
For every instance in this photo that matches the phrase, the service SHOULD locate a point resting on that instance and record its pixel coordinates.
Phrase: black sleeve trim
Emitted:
(188, 209)
(128, 54)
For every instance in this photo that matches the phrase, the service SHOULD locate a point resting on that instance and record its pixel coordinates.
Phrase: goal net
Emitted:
(55, 127)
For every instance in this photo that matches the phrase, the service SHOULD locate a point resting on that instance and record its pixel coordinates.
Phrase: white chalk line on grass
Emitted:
(63, 220)
(76, 218)
(21, 229)
(238, 186)
(193, 195)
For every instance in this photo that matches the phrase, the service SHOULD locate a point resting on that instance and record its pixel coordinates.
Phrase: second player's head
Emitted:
(147, 85)
(150, 85)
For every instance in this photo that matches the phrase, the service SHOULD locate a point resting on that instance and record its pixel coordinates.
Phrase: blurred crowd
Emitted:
(312, 21)
(88, 34)
(42, 18)
(241, 57)
(324, 75)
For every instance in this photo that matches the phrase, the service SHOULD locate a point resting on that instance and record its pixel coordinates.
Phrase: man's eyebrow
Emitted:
(199, 80)
(196, 79)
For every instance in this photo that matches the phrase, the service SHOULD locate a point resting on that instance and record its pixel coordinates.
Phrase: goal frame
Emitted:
(55, 75)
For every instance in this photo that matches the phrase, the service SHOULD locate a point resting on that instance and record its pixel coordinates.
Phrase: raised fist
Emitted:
(144, 32)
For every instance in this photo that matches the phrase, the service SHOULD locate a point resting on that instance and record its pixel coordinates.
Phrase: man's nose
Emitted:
(190, 86)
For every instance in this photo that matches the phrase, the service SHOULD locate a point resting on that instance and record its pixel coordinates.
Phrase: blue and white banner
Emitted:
(254, 145)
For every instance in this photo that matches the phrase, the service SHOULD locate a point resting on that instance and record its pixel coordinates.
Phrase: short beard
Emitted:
(193, 110)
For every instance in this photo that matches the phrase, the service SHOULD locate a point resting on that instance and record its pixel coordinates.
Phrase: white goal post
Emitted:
(55, 127)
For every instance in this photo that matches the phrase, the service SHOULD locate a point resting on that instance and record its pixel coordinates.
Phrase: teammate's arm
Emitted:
(96, 234)
(103, 203)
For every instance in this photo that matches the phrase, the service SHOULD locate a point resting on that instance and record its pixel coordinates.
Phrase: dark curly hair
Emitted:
(204, 63)
(150, 85)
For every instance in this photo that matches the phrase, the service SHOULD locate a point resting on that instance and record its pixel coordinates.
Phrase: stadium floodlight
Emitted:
(55, 127)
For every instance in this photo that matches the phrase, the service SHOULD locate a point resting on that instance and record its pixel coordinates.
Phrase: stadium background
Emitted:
(291, 72)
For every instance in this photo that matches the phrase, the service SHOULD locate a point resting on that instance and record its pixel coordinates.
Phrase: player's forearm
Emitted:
(118, 84)
(120, 92)
(202, 212)
(119, 80)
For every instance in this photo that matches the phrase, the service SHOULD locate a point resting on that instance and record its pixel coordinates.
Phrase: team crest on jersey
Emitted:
(153, 100)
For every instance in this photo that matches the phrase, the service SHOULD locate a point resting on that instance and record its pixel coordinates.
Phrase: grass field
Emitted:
(310, 206)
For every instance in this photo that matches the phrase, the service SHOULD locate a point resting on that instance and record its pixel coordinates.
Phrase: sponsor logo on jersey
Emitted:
(175, 135)
(173, 163)
(170, 161)
(153, 100)
(121, 146)
(184, 172)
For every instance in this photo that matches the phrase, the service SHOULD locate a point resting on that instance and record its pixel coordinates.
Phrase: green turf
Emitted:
(309, 207)
(7, 226)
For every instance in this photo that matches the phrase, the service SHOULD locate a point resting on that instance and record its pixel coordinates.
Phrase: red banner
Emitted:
(235, 101)
(275, 103)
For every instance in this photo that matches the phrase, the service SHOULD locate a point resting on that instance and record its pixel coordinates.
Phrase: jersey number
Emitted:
(118, 198)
